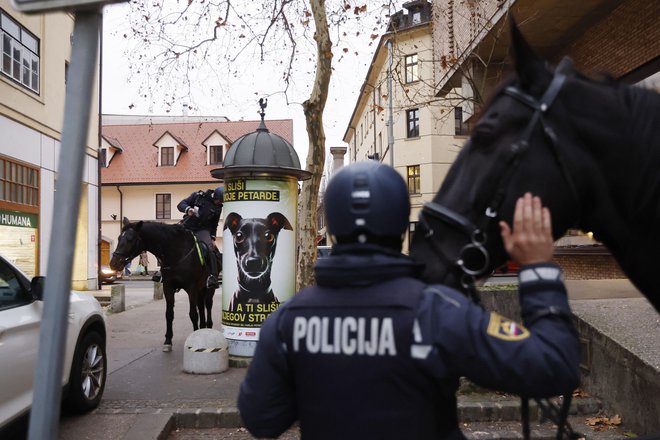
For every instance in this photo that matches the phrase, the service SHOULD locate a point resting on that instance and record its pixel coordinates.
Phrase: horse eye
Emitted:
(269, 236)
(240, 238)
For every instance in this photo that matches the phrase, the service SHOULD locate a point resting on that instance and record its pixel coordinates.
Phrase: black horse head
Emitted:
(129, 244)
(563, 137)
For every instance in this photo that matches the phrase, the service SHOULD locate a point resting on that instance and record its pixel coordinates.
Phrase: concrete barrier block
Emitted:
(205, 352)
(158, 290)
(118, 298)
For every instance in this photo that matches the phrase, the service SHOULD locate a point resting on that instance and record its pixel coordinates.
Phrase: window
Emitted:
(411, 231)
(20, 53)
(163, 206)
(166, 156)
(413, 179)
(103, 157)
(412, 116)
(417, 18)
(461, 128)
(19, 183)
(215, 156)
(412, 68)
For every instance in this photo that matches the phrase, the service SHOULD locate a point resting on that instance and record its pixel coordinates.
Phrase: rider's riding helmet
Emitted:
(219, 194)
(367, 202)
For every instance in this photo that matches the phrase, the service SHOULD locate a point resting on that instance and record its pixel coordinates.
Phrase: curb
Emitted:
(157, 424)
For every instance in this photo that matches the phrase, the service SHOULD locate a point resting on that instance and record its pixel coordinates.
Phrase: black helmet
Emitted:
(367, 202)
(219, 193)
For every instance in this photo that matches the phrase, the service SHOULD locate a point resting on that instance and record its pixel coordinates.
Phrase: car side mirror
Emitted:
(37, 287)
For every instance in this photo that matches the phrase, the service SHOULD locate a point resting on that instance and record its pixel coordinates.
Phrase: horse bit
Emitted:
(477, 235)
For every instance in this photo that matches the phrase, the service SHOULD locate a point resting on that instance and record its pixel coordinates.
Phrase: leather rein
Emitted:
(503, 173)
(478, 237)
(137, 248)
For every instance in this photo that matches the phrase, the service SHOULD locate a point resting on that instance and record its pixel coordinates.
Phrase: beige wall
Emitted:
(31, 126)
(45, 112)
(436, 147)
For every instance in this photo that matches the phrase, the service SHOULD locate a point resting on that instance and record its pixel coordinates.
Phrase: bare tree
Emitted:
(200, 44)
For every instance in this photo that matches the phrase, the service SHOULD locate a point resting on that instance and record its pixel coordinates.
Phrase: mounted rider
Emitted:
(202, 211)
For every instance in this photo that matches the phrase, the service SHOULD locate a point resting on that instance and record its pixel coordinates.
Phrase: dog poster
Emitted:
(259, 252)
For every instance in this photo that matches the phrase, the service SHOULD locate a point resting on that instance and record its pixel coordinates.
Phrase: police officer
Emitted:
(202, 211)
(372, 352)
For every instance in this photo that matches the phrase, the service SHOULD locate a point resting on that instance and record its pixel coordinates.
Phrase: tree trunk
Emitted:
(313, 108)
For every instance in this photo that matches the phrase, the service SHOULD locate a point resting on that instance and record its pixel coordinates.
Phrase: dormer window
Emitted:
(215, 154)
(166, 156)
(170, 147)
(216, 145)
(417, 18)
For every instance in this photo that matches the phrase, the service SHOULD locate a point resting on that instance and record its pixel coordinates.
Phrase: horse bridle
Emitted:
(126, 257)
(478, 237)
(503, 173)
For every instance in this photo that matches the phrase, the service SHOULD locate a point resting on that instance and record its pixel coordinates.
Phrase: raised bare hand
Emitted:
(530, 241)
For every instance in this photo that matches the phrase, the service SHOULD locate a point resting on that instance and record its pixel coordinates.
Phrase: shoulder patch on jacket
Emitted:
(505, 328)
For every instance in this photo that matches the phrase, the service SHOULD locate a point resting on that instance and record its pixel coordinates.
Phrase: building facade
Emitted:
(149, 164)
(424, 138)
(35, 52)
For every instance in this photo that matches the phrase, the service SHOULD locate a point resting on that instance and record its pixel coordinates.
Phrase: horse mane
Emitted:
(164, 230)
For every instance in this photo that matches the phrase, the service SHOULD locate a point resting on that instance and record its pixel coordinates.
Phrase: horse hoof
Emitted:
(167, 348)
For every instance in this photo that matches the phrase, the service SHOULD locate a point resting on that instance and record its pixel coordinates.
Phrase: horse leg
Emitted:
(200, 308)
(194, 316)
(208, 302)
(168, 292)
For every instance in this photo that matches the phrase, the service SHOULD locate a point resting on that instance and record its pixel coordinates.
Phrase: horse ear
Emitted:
(530, 68)
(138, 225)
(232, 221)
(278, 221)
(125, 222)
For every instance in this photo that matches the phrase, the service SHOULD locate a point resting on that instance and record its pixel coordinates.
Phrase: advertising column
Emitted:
(259, 256)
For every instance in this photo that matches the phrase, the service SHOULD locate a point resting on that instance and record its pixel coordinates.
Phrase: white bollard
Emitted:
(205, 352)
(117, 298)
(158, 290)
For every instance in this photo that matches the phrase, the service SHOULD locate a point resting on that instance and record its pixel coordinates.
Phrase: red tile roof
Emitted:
(137, 163)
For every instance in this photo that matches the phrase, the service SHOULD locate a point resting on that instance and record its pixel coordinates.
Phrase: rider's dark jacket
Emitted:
(372, 352)
(209, 213)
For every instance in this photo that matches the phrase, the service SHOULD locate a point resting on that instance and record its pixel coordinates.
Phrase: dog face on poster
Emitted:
(255, 243)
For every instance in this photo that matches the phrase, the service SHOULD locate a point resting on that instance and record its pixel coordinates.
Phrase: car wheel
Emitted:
(88, 372)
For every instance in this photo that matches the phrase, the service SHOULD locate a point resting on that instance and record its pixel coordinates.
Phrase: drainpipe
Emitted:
(390, 119)
(121, 207)
(98, 162)
(373, 100)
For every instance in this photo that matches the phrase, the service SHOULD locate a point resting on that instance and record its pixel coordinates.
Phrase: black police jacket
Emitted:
(208, 214)
(372, 352)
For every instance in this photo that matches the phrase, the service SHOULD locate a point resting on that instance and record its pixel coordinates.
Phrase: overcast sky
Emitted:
(239, 101)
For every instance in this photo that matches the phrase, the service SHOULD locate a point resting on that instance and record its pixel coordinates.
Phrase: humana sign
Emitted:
(18, 219)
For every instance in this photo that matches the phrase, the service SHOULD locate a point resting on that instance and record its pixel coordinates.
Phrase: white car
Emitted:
(85, 363)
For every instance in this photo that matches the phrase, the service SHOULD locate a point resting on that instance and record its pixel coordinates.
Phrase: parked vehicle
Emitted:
(85, 362)
(108, 275)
